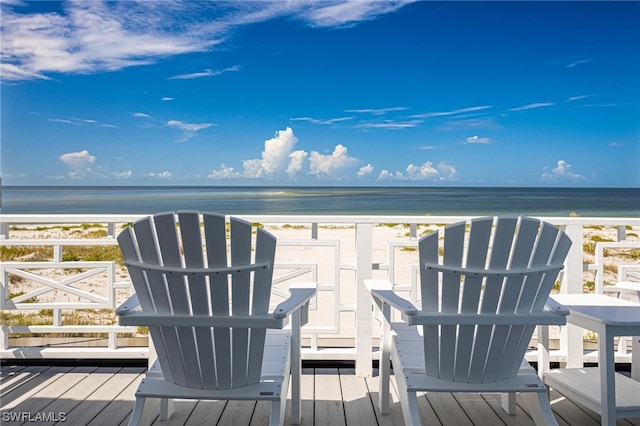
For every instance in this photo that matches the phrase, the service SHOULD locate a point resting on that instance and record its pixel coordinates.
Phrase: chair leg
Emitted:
(144, 412)
(384, 363)
(166, 408)
(408, 401)
(539, 408)
(276, 417)
(509, 402)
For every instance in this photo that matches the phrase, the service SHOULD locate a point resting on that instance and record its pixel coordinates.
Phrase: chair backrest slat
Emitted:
(202, 357)
(216, 241)
(486, 353)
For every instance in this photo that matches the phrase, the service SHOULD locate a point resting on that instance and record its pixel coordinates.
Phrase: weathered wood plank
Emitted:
(358, 407)
(97, 401)
(446, 408)
(119, 408)
(104, 396)
(206, 412)
(493, 400)
(11, 378)
(72, 398)
(569, 412)
(49, 392)
(307, 394)
(426, 411)
(237, 413)
(395, 416)
(329, 409)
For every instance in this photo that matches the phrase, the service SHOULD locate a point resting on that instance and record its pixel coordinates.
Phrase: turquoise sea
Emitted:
(612, 202)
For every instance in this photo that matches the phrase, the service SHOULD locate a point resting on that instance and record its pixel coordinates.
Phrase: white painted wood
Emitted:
(602, 390)
(208, 321)
(571, 276)
(481, 301)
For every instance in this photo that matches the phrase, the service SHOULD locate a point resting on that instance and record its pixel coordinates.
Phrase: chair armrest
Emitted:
(300, 294)
(130, 305)
(381, 291)
(555, 307)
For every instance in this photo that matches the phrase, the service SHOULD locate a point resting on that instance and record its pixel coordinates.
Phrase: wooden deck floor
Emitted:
(86, 395)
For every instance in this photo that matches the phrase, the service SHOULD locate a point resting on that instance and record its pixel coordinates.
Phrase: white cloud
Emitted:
(390, 125)
(189, 129)
(387, 175)
(276, 156)
(379, 111)
(320, 121)
(333, 165)
(166, 98)
(79, 161)
(478, 140)
(87, 37)
(561, 173)
(333, 13)
(62, 120)
(205, 73)
(425, 172)
(163, 175)
(224, 172)
(141, 115)
(453, 112)
(297, 162)
(365, 171)
(98, 36)
(122, 175)
(533, 106)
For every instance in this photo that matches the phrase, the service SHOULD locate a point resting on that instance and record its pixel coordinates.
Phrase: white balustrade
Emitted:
(341, 325)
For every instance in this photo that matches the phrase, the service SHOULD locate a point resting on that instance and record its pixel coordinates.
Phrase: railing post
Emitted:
(571, 336)
(364, 259)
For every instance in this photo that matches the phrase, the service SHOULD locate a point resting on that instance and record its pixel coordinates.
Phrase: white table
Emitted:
(601, 389)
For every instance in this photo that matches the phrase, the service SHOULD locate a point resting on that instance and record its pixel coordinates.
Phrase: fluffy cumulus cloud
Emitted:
(365, 171)
(224, 172)
(81, 162)
(280, 161)
(333, 165)
(276, 157)
(442, 172)
(561, 173)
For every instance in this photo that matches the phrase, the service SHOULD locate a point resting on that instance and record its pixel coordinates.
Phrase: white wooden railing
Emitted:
(341, 326)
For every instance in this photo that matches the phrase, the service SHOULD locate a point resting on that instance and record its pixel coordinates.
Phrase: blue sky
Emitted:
(321, 93)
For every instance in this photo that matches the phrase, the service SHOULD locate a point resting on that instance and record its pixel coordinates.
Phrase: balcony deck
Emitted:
(331, 396)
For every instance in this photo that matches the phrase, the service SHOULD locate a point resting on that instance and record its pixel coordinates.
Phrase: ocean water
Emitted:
(610, 202)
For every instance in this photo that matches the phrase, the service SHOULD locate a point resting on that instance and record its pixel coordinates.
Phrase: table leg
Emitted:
(607, 366)
(635, 358)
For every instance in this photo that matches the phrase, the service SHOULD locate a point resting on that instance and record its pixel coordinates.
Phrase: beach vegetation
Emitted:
(589, 286)
(25, 253)
(410, 249)
(93, 254)
(599, 239)
(596, 227)
(293, 227)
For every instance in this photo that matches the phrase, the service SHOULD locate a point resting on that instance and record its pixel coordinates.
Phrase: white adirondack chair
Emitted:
(479, 308)
(208, 317)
